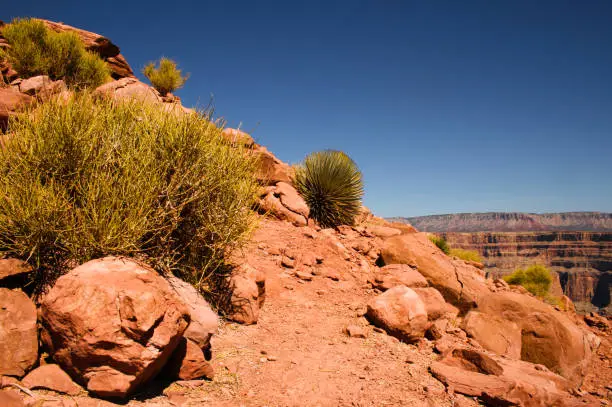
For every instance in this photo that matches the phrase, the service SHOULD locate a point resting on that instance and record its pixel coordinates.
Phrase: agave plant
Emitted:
(331, 184)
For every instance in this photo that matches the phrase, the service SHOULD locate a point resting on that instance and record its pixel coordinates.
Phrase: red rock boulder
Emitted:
(398, 274)
(459, 283)
(128, 88)
(285, 203)
(18, 333)
(248, 293)
(112, 324)
(494, 333)
(435, 305)
(270, 169)
(51, 377)
(400, 312)
(11, 101)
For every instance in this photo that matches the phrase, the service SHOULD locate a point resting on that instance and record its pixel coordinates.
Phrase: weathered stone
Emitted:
(13, 269)
(51, 377)
(400, 312)
(460, 284)
(18, 333)
(11, 102)
(434, 304)
(128, 88)
(188, 362)
(248, 287)
(238, 137)
(271, 170)
(398, 274)
(112, 324)
(494, 333)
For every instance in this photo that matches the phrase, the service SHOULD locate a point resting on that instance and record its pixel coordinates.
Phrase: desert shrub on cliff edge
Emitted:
(440, 242)
(332, 186)
(536, 279)
(467, 255)
(84, 179)
(165, 78)
(37, 50)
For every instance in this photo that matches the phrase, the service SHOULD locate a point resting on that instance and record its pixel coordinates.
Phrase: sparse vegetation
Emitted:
(331, 184)
(440, 242)
(467, 255)
(536, 279)
(37, 50)
(166, 78)
(86, 178)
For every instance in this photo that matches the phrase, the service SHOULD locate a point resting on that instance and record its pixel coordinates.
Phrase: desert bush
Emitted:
(536, 279)
(37, 50)
(165, 78)
(332, 186)
(86, 178)
(467, 255)
(440, 242)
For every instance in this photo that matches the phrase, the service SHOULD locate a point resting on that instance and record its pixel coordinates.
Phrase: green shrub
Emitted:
(37, 50)
(536, 279)
(84, 179)
(165, 78)
(440, 242)
(332, 186)
(467, 255)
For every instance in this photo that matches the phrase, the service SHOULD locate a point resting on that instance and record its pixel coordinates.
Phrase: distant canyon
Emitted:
(575, 245)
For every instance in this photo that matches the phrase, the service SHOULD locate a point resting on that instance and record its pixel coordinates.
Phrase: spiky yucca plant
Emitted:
(331, 184)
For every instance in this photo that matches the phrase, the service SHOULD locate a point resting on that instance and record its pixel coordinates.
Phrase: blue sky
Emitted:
(446, 106)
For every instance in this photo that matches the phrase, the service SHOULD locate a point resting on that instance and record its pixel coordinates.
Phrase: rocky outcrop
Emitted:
(18, 333)
(101, 46)
(501, 382)
(112, 324)
(461, 284)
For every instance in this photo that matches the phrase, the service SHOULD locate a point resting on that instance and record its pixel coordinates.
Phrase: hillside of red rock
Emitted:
(367, 315)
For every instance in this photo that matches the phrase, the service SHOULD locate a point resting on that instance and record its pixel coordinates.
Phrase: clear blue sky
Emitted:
(446, 106)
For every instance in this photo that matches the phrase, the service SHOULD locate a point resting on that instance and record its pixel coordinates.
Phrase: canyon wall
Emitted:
(575, 245)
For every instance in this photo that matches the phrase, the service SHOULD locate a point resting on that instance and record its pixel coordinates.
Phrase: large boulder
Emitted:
(128, 88)
(11, 102)
(112, 324)
(100, 45)
(398, 274)
(51, 377)
(18, 333)
(434, 304)
(548, 337)
(400, 312)
(501, 382)
(459, 283)
(494, 333)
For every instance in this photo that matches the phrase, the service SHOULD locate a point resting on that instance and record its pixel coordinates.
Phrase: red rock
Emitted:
(188, 362)
(100, 45)
(11, 101)
(459, 283)
(291, 199)
(112, 324)
(270, 204)
(271, 170)
(355, 331)
(18, 333)
(204, 321)
(13, 268)
(494, 333)
(400, 312)
(548, 337)
(128, 88)
(498, 381)
(9, 398)
(51, 377)
(248, 287)
(398, 274)
(238, 137)
(383, 231)
(434, 304)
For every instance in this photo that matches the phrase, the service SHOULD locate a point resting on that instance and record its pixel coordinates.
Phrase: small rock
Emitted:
(287, 262)
(379, 330)
(51, 377)
(272, 358)
(302, 275)
(355, 331)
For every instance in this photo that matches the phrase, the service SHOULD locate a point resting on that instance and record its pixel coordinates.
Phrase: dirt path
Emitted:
(298, 353)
